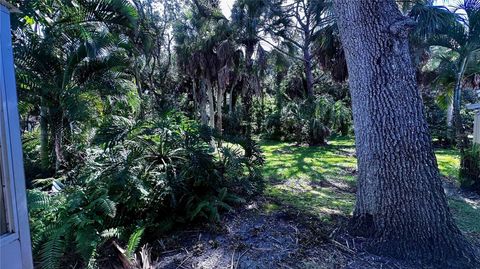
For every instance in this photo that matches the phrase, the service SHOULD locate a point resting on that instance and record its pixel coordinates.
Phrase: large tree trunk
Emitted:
(400, 203)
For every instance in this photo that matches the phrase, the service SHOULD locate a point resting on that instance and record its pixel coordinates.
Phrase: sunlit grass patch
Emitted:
(321, 180)
(312, 179)
(448, 162)
(322, 202)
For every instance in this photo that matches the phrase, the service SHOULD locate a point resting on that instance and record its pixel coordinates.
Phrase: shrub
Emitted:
(309, 121)
(470, 168)
(150, 174)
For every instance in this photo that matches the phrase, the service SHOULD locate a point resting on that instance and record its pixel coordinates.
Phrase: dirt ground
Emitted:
(251, 238)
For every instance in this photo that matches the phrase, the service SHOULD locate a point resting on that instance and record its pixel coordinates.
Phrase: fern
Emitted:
(53, 248)
(134, 242)
(38, 200)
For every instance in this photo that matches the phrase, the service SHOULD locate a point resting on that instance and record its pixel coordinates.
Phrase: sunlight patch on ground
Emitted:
(448, 162)
(321, 180)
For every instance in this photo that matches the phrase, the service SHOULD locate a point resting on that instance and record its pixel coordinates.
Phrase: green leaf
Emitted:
(134, 241)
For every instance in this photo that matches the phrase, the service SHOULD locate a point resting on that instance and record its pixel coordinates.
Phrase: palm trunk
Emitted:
(57, 145)
(220, 94)
(248, 102)
(401, 206)
(450, 115)
(262, 111)
(203, 103)
(230, 102)
(194, 97)
(211, 106)
(458, 132)
(308, 70)
(44, 149)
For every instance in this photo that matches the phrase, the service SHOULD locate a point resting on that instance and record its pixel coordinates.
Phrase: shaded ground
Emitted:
(309, 197)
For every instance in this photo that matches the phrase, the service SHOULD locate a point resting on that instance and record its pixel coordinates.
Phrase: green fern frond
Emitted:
(52, 249)
(200, 206)
(111, 233)
(106, 206)
(134, 241)
(38, 200)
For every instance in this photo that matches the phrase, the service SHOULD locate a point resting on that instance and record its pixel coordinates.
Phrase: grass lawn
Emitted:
(321, 180)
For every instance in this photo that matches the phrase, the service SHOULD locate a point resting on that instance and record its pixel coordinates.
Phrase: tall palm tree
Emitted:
(252, 19)
(458, 31)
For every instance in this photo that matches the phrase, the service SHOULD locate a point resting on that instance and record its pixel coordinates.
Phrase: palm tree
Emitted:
(66, 63)
(458, 31)
(252, 19)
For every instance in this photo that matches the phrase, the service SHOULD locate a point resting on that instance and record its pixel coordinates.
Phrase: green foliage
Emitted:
(109, 159)
(309, 121)
(134, 242)
(470, 168)
(149, 174)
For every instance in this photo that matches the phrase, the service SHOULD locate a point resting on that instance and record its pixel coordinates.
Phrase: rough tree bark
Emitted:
(400, 203)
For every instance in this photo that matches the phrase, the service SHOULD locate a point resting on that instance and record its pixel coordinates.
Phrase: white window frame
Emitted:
(15, 246)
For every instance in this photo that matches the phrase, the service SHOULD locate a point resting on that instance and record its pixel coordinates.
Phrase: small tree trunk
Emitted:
(44, 148)
(211, 106)
(457, 102)
(195, 97)
(57, 145)
(203, 103)
(308, 70)
(247, 99)
(220, 95)
(230, 101)
(450, 115)
(400, 203)
(219, 126)
(262, 111)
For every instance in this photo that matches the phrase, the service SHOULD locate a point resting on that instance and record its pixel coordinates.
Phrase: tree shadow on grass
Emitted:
(315, 179)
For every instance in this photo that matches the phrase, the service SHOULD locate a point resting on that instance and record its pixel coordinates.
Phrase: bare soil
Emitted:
(251, 238)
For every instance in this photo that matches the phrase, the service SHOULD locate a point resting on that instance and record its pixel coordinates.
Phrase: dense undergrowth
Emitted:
(137, 177)
(137, 117)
